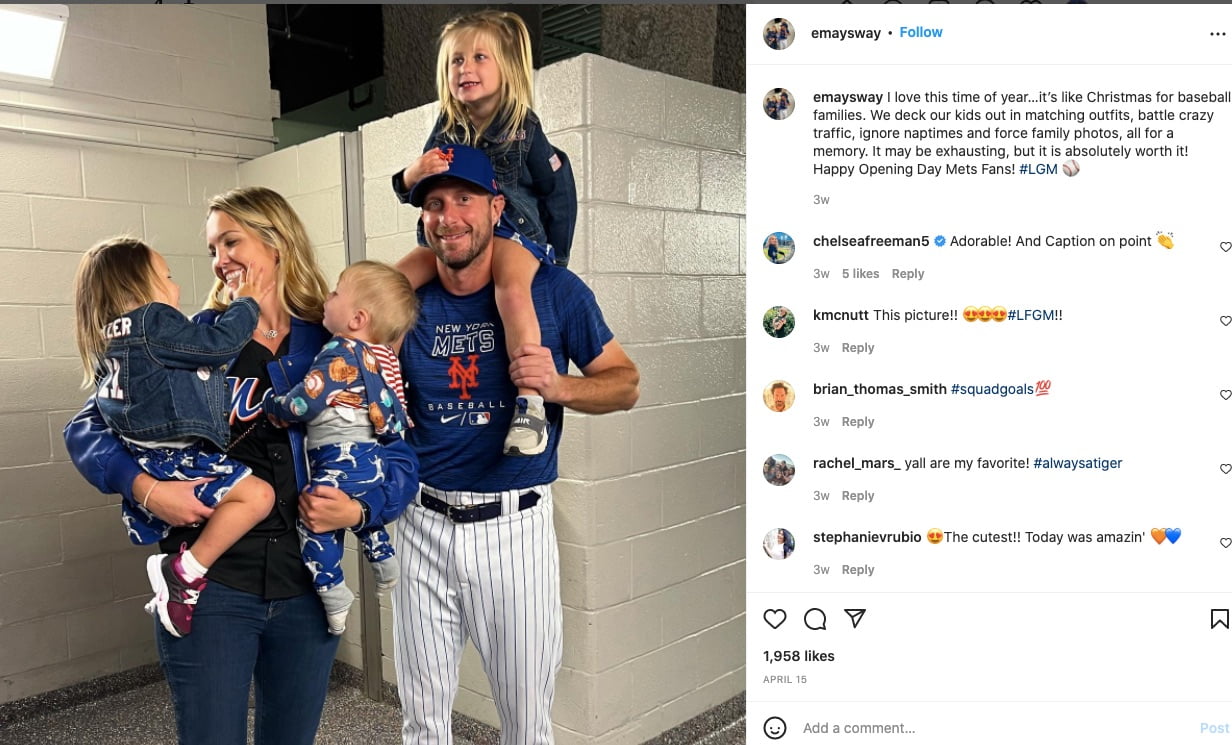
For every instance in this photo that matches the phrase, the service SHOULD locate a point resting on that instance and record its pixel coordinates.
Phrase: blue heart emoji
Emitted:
(1172, 534)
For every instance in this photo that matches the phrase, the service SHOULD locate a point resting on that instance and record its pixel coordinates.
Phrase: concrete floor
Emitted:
(134, 708)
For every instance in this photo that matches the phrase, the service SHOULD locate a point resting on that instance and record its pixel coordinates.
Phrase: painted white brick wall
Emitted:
(71, 586)
(310, 177)
(650, 505)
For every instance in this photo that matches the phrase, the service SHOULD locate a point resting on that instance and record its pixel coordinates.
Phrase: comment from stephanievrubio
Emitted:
(988, 391)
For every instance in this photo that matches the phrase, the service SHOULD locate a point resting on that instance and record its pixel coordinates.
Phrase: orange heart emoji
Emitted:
(1158, 534)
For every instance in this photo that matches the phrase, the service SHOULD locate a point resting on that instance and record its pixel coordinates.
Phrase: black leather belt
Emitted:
(474, 513)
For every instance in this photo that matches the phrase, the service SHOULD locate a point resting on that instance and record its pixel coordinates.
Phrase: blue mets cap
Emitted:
(465, 163)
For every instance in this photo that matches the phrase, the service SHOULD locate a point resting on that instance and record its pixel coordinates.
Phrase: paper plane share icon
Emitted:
(855, 614)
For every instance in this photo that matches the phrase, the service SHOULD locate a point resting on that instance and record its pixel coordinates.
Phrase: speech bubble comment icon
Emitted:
(815, 619)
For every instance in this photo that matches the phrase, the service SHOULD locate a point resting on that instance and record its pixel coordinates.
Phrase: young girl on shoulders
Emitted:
(485, 89)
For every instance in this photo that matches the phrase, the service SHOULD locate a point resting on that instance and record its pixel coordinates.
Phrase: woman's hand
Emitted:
(173, 502)
(324, 508)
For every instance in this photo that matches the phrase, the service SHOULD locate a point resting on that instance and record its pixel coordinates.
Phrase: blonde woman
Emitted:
(259, 620)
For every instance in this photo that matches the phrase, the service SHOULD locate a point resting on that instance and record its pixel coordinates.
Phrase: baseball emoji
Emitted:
(1070, 168)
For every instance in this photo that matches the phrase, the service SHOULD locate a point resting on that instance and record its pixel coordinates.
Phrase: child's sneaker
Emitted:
(174, 596)
(528, 433)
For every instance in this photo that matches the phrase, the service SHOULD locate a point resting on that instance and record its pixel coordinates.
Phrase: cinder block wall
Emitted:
(71, 585)
(650, 505)
(310, 177)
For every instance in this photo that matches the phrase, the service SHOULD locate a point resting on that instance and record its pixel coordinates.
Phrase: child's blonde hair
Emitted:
(388, 297)
(509, 39)
(115, 276)
(267, 215)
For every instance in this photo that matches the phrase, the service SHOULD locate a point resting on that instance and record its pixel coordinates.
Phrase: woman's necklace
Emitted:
(271, 333)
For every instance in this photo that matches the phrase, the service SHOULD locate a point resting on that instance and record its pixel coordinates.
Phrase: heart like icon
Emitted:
(1158, 534)
(1225, 320)
(1226, 246)
(1225, 542)
(1173, 534)
(1225, 394)
(1226, 467)
(774, 617)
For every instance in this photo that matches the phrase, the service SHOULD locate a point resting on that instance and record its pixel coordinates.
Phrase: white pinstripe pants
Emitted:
(496, 582)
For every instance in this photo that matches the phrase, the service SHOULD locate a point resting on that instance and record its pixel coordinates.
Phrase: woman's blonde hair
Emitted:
(388, 297)
(267, 215)
(115, 276)
(509, 39)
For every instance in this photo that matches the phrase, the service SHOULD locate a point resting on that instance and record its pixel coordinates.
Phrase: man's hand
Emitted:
(325, 508)
(533, 367)
(608, 383)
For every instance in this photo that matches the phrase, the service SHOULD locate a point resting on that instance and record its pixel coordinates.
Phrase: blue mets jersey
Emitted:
(461, 399)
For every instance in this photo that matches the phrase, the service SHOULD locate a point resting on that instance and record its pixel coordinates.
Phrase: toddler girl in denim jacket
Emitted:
(160, 383)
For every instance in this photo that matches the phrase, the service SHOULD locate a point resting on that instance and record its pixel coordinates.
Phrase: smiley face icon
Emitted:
(935, 536)
(984, 314)
(970, 313)
(774, 728)
(999, 313)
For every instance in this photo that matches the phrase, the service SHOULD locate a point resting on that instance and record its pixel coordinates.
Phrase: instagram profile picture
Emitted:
(778, 322)
(778, 248)
(778, 470)
(779, 103)
(778, 396)
(778, 33)
(779, 543)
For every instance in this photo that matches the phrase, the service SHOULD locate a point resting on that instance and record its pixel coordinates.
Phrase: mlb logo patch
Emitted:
(554, 161)
(479, 418)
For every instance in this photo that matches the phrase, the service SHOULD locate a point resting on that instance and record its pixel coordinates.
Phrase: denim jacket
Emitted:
(165, 377)
(103, 460)
(535, 178)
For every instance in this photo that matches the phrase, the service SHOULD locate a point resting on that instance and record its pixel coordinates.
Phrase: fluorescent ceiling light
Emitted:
(30, 40)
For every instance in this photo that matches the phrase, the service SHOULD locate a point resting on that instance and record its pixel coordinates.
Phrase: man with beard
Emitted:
(478, 547)
(778, 393)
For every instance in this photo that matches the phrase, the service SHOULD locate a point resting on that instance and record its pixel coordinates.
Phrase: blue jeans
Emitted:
(237, 639)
